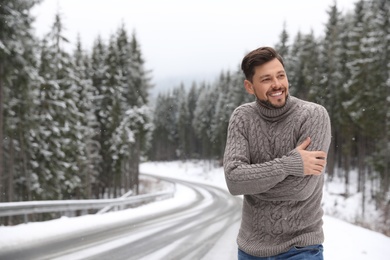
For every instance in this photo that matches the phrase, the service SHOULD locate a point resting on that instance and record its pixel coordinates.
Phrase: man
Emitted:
(275, 156)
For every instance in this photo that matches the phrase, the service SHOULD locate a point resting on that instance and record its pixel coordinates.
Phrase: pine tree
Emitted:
(221, 114)
(330, 87)
(237, 93)
(57, 137)
(357, 103)
(116, 88)
(203, 116)
(165, 138)
(294, 66)
(381, 35)
(282, 47)
(102, 105)
(17, 79)
(303, 67)
(137, 97)
(183, 122)
(88, 162)
(194, 147)
(310, 70)
(133, 84)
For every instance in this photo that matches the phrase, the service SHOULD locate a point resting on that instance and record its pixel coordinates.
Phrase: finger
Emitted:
(304, 144)
(316, 170)
(320, 161)
(319, 154)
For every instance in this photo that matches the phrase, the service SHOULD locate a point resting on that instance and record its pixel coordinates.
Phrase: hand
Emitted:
(313, 161)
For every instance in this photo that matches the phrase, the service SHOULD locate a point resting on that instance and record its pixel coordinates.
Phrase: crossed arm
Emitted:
(291, 177)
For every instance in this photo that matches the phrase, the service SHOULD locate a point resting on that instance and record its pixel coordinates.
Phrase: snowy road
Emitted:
(176, 227)
(189, 231)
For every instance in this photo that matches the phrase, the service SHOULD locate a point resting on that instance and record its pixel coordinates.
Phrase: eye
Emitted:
(265, 80)
(281, 76)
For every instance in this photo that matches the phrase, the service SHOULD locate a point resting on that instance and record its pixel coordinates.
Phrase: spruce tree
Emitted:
(57, 137)
(132, 87)
(89, 156)
(381, 34)
(165, 142)
(282, 47)
(220, 119)
(194, 142)
(203, 116)
(294, 66)
(183, 122)
(18, 77)
(330, 86)
(102, 105)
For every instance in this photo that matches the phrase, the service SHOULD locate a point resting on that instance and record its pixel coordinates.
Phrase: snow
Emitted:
(342, 239)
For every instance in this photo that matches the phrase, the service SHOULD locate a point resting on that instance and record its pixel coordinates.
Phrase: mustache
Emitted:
(282, 88)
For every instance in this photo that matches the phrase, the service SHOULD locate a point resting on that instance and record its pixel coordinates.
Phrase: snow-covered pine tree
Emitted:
(221, 115)
(115, 110)
(163, 146)
(139, 84)
(56, 151)
(330, 87)
(294, 66)
(18, 80)
(310, 69)
(183, 122)
(356, 102)
(303, 66)
(282, 47)
(89, 156)
(133, 84)
(237, 92)
(102, 105)
(194, 143)
(381, 39)
(203, 116)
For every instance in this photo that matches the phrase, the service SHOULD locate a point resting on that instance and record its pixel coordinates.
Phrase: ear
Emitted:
(248, 87)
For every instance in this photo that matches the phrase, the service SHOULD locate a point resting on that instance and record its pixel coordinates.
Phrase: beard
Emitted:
(266, 103)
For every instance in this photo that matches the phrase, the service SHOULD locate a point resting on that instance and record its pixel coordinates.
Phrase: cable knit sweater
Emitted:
(282, 206)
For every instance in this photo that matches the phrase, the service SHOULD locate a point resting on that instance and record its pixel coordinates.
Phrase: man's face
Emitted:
(269, 83)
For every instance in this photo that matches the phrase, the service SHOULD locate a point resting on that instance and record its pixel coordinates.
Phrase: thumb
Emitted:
(304, 144)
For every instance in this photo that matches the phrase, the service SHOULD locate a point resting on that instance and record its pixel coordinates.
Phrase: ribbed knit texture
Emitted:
(282, 206)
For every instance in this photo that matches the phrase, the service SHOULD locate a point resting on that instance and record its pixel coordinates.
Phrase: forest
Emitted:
(77, 125)
(73, 125)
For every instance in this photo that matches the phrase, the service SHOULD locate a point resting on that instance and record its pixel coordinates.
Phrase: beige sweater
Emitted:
(282, 207)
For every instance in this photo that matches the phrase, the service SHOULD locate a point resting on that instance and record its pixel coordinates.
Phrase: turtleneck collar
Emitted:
(274, 114)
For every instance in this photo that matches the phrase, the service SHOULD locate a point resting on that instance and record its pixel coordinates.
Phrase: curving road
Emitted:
(189, 231)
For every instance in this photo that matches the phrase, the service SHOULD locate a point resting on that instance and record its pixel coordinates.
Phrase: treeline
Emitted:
(192, 124)
(73, 125)
(347, 70)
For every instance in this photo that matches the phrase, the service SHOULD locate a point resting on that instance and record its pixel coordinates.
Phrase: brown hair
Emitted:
(256, 58)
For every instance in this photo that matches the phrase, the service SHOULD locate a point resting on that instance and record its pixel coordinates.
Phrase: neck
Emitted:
(273, 113)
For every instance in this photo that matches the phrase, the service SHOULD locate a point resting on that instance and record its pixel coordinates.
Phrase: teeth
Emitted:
(276, 94)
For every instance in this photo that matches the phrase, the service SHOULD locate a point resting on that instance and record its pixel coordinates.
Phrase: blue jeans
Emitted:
(313, 252)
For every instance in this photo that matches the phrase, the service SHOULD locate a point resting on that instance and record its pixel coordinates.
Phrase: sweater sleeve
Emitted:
(244, 178)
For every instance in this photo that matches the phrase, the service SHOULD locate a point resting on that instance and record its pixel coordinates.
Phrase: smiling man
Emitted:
(275, 156)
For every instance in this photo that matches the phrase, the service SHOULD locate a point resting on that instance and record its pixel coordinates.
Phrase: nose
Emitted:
(276, 83)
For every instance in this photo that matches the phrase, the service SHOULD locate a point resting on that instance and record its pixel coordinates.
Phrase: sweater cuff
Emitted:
(293, 164)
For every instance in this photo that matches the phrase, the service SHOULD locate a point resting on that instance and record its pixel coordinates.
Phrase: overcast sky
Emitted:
(184, 40)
